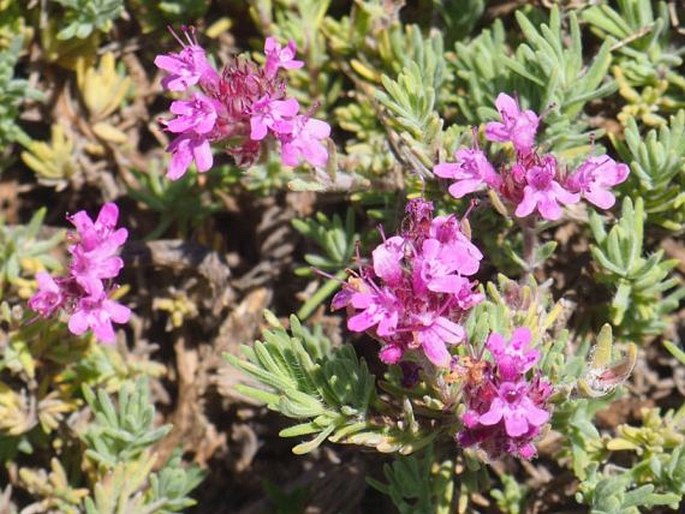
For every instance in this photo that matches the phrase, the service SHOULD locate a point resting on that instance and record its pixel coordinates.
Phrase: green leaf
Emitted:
(675, 351)
(85, 16)
(330, 390)
(120, 434)
(645, 291)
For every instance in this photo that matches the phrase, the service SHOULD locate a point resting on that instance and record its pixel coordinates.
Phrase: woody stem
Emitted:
(530, 244)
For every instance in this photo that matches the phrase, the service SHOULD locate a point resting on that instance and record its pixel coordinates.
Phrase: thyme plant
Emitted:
(489, 217)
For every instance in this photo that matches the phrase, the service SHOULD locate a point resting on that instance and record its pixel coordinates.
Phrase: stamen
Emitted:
(474, 132)
(176, 36)
(472, 205)
(190, 33)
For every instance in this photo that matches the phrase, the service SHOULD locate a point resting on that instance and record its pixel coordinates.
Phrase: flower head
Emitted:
(241, 107)
(83, 293)
(534, 181)
(506, 410)
(415, 292)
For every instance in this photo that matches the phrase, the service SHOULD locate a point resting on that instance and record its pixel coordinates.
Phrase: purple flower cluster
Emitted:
(506, 409)
(84, 292)
(533, 182)
(241, 107)
(417, 289)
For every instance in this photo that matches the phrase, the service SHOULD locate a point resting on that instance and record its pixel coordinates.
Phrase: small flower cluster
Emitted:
(417, 290)
(239, 107)
(84, 292)
(534, 181)
(506, 409)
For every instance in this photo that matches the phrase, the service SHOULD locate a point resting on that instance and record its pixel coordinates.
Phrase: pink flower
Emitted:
(459, 252)
(516, 357)
(195, 123)
(435, 269)
(99, 234)
(413, 290)
(518, 411)
(239, 108)
(185, 149)
(505, 412)
(197, 115)
(93, 257)
(466, 297)
(97, 313)
(543, 192)
(280, 57)
(277, 115)
(48, 298)
(434, 333)
(517, 126)
(387, 258)
(472, 171)
(532, 182)
(595, 176)
(82, 293)
(90, 268)
(305, 142)
(187, 67)
(378, 306)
